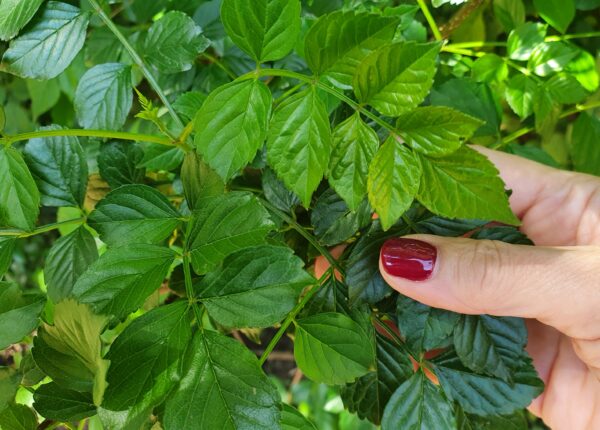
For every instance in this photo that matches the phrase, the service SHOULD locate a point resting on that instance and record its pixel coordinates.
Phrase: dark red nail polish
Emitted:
(408, 258)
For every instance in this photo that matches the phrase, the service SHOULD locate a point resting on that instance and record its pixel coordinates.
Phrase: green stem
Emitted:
(137, 60)
(289, 92)
(43, 229)
(103, 134)
(573, 36)
(430, 20)
(189, 288)
(291, 316)
(477, 44)
(219, 64)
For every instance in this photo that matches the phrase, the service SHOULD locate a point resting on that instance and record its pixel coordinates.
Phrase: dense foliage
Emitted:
(170, 170)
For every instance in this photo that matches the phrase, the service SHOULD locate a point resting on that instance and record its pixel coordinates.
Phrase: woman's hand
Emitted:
(555, 285)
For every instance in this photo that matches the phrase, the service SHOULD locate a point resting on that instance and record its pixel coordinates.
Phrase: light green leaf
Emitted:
(19, 313)
(266, 30)
(50, 43)
(418, 405)
(70, 351)
(585, 151)
(54, 402)
(393, 181)
(122, 278)
(173, 43)
(332, 348)
(7, 246)
(148, 349)
(255, 287)
(338, 42)
(510, 13)
(546, 110)
(222, 388)
(103, 98)
(438, 3)
(520, 91)
(134, 214)
(558, 13)
(14, 14)
(524, 39)
(44, 94)
(223, 225)
(19, 196)
(583, 68)
(396, 78)
(59, 167)
(231, 126)
(18, 417)
(490, 68)
(551, 57)
(354, 146)
(67, 260)
(291, 419)
(299, 143)
(464, 185)
(436, 130)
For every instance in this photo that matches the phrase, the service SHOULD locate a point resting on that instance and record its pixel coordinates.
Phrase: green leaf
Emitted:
(437, 130)
(532, 152)
(19, 196)
(276, 192)
(558, 13)
(49, 44)
(449, 227)
(59, 167)
(565, 89)
(516, 421)
(103, 98)
(2, 119)
(18, 417)
(464, 185)
(546, 110)
(354, 146)
(524, 39)
(188, 104)
(70, 351)
(423, 327)
(510, 13)
(199, 180)
(583, 68)
(148, 349)
(502, 233)
(44, 95)
(291, 419)
(586, 135)
(222, 388)
(551, 57)
(486, 395)
(19, 313)
(67, 260)
(299, 143)
(338, 42)
(332, 348)
(160, 157)
(54, 402)
(520, 90)
(122, 278)
(255, 287)
(490, 68)
(118, 163)
(266, 30)
(223, 225)
(173, 43)
(231, 126)
(396, 78)
(393, 181)
(438, 3)
(369, 395)
(7, 246)
(134, 214)
(9, 384)
(14, 14)
(418, 405)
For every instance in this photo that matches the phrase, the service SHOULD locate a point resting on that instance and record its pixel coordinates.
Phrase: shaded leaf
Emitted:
(54, 402)
(19, 313)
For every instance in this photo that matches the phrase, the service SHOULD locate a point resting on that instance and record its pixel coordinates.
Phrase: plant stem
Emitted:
(103, 134)
(137, 60)
(219, 64)
(189, 288)
(430, 20)
(587, 35)
(291, 316)
(43, 229)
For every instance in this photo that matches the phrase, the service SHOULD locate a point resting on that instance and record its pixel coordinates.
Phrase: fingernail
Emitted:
(409, 259)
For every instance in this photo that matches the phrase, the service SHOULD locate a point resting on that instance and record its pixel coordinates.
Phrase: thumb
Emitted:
(557, 286)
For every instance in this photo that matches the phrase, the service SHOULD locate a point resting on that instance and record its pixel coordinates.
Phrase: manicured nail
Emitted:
(408, 258)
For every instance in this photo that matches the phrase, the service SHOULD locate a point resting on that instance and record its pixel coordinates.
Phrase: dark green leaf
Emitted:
(299, 143)
(119, 164)
(232, 125)
(291, 419)
(418, 405)
(524, 39)
(14, 14)
(332, 348)
(199, 180)
(265, 29)
(19, 313)
(566, 89)
(276, 192)
(532, 152)
(59, 167)
(222, 388)
(510, 13)
(504, 234)
(396, 78)
(586, 135)
(160, 157)
(558, 13)
(149, 349)
(19, 196)
(9, 384)
(188, 104)
(18, 417)
(54, 402)
(134, 214)
(255, 287)
(122, 278)
(7, 246)
(67, 260)
(449, 227)
(354, 146)
(103, 98)
(50, 42)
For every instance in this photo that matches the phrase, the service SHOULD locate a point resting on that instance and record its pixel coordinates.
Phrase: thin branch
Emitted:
(43, 229)
(102, 134)
(430, 20)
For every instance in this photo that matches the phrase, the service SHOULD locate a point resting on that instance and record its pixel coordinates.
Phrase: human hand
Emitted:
(555, 285)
